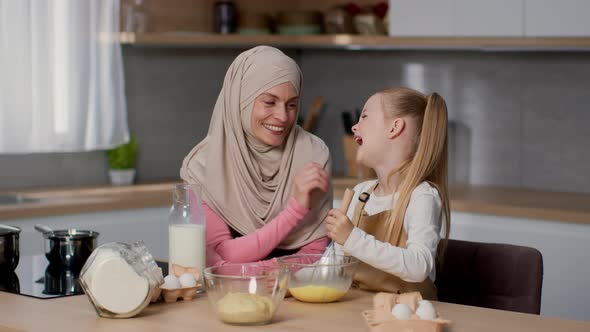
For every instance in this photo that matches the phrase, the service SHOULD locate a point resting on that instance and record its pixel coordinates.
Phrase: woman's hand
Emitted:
(312, 176)
(339, 226)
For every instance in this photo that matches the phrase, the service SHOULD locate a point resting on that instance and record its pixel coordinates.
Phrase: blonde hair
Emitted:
(428, 160)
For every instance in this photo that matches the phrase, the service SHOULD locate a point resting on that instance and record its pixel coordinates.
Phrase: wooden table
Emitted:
(76, 313)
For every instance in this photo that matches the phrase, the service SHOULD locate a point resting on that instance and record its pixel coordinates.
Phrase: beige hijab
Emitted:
(246, 182)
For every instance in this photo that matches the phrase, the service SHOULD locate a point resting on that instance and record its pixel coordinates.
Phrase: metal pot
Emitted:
(9, 282)
(69, 247)
(9, 247)
(61, 281)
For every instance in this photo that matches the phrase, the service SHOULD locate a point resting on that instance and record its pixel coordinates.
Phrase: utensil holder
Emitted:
(353, 168)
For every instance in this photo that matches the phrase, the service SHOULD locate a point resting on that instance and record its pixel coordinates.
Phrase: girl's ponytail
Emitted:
(429, 162)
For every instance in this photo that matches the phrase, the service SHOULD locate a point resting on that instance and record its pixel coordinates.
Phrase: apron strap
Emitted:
(360, 207)
(394, 230)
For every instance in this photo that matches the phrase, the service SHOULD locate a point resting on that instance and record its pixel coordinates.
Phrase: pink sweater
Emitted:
(222, 248)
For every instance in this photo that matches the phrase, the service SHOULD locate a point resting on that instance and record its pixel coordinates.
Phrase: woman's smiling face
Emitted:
(274, 113)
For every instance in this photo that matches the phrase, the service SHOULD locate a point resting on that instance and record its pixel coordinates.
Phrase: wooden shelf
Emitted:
(356, 42)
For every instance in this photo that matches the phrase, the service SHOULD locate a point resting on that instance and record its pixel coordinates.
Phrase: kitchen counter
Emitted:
(499, 201)
(76, 313)
(51, 202)
(509, 202)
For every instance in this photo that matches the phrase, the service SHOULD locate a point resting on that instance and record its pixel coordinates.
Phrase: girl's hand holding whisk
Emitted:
(339, 226)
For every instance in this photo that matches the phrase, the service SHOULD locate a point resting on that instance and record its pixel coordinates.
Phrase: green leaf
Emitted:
(123, 156)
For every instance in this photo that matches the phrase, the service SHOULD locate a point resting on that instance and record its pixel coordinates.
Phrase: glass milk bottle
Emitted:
(186, 228)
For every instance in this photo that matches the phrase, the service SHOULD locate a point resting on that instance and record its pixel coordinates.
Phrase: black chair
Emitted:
(491, 275)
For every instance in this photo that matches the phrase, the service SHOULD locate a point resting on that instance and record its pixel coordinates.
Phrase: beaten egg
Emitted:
(317, 294)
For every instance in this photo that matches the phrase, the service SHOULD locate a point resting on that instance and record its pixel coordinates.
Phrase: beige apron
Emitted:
(370, 278)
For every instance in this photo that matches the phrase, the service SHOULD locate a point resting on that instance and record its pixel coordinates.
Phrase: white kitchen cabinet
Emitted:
(488, 18)
(421, 17)
(554, 18)
(456, 17)
(564, 246)
(149, 225)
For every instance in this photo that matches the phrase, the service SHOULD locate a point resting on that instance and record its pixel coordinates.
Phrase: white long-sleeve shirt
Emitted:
(421, 222)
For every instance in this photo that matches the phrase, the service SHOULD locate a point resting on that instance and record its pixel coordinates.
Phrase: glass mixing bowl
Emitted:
(319, 279)
(245, 294)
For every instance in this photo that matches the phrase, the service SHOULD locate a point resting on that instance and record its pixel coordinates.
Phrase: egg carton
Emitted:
(185, 293)
(381, 319)
(156, 295)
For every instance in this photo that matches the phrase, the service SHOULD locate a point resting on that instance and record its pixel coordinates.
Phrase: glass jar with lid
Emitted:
(121, 279)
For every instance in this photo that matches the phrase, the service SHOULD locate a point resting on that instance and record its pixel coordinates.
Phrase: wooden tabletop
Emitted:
(499, 201)
(76, 313)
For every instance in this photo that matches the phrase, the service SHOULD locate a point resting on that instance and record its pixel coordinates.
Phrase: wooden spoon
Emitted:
(312, 114)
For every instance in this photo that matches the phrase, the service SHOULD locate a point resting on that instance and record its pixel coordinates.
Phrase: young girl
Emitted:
(393, 223)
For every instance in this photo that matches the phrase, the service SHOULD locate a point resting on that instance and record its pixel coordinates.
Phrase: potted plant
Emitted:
(122, 163)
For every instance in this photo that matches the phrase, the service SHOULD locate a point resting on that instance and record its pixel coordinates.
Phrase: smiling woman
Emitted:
(258, 169)
(274, 114)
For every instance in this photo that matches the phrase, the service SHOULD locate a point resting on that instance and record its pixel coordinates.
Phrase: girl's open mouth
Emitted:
(358, 140)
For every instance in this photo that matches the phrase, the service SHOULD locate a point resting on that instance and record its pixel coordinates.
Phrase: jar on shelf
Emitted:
(225, 16)
(134, 16)
(121, 279)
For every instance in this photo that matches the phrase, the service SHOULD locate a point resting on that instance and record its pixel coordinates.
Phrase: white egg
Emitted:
(401, 311)
(426, 310)
(171, 282)
(425, 302)
(187, 280)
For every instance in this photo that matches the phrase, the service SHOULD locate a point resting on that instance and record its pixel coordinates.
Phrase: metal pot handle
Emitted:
(11, 228)
(43, 229)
